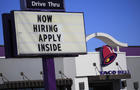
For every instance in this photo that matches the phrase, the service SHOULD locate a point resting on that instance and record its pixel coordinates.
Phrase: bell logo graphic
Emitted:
(107, 55)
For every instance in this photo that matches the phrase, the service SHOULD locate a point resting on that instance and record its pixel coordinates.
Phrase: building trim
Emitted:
(108, 39)
(34, 84)
(133, 56)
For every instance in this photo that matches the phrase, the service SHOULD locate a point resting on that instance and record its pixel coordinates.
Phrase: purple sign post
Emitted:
(49, 73)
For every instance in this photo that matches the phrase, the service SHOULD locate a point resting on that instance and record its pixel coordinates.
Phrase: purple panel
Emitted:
(49, 73)
(131, 50)
(2, 51)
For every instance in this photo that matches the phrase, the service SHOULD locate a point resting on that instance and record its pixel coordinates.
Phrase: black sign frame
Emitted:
(13, 53)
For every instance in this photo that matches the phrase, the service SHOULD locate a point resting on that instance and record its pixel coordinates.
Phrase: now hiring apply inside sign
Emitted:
(48, 33)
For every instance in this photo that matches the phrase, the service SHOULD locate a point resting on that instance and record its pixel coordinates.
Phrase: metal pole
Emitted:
(49, 73)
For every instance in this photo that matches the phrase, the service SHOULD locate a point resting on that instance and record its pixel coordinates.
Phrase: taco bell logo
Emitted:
(107, 55)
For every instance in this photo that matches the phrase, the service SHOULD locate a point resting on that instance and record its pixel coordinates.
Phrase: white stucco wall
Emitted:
(84, 64)
(79, 80)
(133, 63)
(11, 68)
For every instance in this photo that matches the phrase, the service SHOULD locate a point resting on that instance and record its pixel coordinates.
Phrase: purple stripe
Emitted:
(131, 51)
(2, 51)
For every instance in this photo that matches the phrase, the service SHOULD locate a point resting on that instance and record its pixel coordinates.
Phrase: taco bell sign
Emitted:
(107, 55)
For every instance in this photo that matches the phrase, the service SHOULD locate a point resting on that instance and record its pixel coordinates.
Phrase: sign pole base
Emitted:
(49, 73)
